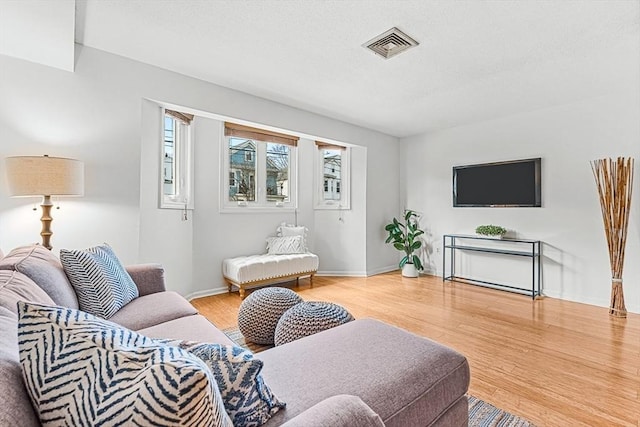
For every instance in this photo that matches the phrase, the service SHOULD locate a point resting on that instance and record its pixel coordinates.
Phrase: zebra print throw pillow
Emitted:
(247, 399)
(101, 283)
(82, 370)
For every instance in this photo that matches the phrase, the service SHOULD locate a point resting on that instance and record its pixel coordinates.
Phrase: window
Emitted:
(177, 162)
(260, 166)
(334, 172)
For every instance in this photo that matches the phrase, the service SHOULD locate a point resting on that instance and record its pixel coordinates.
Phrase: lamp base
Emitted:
(46, 219)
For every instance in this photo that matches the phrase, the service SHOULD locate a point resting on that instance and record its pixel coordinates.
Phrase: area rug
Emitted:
(236, 336)
(481, 413)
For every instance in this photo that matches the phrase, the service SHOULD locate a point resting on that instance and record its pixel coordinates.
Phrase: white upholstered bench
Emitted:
(257, 270)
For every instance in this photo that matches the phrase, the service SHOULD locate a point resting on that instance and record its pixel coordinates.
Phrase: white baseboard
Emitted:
(381, 270)
(207, 293)
(342, 273)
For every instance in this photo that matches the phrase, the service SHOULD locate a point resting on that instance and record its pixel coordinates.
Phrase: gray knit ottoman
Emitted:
(308, 318)
(260, 311)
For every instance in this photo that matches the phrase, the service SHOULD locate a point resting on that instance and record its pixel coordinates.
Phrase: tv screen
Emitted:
(512, 184)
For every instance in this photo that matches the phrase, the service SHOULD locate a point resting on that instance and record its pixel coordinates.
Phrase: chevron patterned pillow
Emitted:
(101, 283)
(247, 399)
(285, 229)
(82, 370)
(285, 245)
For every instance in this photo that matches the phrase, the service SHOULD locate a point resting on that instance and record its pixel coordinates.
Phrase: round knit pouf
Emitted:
(260, 311)
(307, 318)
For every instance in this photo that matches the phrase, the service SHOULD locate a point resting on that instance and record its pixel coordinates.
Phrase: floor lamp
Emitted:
(45, 176)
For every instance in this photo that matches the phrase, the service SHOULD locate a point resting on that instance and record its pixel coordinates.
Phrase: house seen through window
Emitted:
(260, 166)
(176, 181)
(333, 161)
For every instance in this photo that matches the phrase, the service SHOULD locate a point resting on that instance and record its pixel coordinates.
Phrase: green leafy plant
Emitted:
(404, 236)
(490, 230)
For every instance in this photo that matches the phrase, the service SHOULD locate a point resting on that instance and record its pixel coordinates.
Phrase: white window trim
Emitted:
(184, 175)
(345, 187)
(260, 205)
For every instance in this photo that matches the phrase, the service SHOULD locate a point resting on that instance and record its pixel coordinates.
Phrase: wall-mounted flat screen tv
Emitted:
(513, 183)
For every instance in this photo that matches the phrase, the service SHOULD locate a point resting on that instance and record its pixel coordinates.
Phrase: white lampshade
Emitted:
(44, 176)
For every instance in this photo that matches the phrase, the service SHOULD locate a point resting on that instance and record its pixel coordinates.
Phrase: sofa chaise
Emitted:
(363, 373)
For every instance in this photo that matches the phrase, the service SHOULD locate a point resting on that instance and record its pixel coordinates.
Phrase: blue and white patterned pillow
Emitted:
(247, 399)
(82, 370)
(101, 283)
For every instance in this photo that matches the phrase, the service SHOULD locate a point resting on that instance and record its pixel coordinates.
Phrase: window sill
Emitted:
(332, 207)
(255, 209)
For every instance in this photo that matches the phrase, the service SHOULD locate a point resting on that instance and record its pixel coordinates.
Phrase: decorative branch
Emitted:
(614, 180)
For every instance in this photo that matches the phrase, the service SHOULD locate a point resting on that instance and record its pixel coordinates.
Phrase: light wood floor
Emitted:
(554, 362)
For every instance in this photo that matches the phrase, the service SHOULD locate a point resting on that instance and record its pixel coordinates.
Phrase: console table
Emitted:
(502, 247)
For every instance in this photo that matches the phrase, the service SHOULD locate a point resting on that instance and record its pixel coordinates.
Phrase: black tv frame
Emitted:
(538, 184)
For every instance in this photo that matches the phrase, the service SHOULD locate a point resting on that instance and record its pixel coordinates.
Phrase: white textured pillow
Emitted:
(82, 370)
(285, 230)
(101, 283)
(286, 245)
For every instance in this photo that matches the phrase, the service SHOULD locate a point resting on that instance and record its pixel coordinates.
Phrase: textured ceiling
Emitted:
(476, 60)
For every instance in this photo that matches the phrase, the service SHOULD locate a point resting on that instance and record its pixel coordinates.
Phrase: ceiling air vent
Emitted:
(390, 43)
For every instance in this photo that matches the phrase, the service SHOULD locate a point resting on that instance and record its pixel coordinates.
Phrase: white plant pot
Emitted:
(410, 270)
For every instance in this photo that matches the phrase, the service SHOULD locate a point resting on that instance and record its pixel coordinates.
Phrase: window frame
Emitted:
(261, 203)
(344, 188)
(183, 161)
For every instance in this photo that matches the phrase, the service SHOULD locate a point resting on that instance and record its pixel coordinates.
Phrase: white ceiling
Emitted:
(476, 60)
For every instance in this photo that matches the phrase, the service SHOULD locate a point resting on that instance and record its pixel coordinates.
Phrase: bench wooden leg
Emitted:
(311, 281)
(241, 291)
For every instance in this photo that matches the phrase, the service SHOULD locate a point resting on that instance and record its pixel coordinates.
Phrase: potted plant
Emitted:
(491, 231)
(404, 236)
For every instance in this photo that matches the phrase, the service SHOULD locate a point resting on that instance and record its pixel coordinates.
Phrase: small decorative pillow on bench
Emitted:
(286, 245)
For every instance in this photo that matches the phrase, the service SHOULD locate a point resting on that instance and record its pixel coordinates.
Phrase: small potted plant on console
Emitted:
(494, 231)
(404, 237)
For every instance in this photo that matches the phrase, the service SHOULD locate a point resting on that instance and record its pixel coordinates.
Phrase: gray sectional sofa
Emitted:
(363, 373)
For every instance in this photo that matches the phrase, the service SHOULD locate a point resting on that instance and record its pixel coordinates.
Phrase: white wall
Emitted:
(575, 262)
(100, 114)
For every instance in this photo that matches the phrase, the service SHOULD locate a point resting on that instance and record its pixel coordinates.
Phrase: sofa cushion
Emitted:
(247, 398)
(98, 373)
(420, 384)
(189, 328)
(153, 309)
(45, 269)
(337, 411)
(15, 286)
(16, 409)
(101, 283)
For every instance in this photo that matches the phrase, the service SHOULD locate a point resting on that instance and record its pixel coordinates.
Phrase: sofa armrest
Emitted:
(149, 278)
(337, 411)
